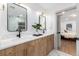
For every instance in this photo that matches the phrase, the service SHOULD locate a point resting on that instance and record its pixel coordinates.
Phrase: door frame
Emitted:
(58, 14)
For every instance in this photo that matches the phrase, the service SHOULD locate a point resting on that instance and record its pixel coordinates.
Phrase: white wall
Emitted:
(77, 41)
(31, 18)
(54, 28)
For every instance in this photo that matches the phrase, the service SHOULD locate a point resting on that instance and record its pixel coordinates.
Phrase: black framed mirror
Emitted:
(16, 17)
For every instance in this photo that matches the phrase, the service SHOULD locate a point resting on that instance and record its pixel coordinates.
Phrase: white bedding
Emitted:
(69, 34)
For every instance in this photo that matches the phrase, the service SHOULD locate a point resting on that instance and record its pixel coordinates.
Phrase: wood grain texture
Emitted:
(68, 46)
(10, 51)
(38, 47)
(21, 50)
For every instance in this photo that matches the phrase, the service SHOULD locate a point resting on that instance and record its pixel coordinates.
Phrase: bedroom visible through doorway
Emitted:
(66, 31)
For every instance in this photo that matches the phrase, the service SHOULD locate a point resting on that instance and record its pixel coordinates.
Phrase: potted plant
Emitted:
(37, 26)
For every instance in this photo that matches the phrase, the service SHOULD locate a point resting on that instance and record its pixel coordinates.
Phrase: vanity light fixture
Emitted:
(45, 15)
(38, 13)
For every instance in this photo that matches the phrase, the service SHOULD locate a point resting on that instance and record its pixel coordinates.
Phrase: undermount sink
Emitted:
(37, 34)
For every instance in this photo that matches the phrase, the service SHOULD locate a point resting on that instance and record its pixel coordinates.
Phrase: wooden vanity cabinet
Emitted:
(2, 53)
(50, 43)
(18, 50)
(33, 48)
(21, 50)
(10, 51)
(37, 47)
(41, 46)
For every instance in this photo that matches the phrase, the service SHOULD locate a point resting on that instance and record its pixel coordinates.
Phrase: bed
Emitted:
(68, 35)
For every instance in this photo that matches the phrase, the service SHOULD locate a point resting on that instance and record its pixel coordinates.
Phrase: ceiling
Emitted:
(69, 16)
(56, 7)
(49, 7)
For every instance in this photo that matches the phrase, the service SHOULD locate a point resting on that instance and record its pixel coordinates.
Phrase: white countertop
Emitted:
(10, 41)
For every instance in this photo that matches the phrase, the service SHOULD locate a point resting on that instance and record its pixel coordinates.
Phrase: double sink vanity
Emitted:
(27, 46)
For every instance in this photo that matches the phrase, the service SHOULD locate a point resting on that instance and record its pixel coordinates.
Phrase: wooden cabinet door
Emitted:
(31, 49)
(10, 51)
(37, 47)
(2, 53)
(42, 45)
(21, 50)
(50, 43)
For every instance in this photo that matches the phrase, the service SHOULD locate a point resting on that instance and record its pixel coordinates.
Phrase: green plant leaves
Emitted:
(37, 26)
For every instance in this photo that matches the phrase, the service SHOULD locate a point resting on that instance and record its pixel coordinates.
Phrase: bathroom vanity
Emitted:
(24, 44)
(31, 46)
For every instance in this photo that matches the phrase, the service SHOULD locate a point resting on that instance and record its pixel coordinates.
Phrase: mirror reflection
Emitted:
(16, 16)
(42, 21)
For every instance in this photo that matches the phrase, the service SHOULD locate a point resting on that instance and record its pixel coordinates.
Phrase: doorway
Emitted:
(66, 31)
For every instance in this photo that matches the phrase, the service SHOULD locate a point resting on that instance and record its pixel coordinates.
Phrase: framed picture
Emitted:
(69, 27)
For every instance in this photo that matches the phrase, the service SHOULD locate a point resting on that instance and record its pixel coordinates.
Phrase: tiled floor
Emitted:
(68, 46)
(58, 53)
